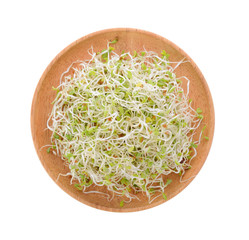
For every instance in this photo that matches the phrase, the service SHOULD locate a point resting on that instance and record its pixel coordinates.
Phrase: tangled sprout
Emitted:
(123, 121)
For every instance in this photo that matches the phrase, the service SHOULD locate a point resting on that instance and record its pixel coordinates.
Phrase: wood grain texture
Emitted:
(128, 40)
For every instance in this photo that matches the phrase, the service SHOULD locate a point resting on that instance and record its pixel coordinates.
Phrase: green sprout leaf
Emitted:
(164, 196)
(169, 181)
(193, 145)
(148, 119)
(56, 89)
(78, 187)
(69, 137)
(121, 110)
(171, 89)
(129, 74)
(169, 74)
(125, 181)
(143, 66)
(114, 41)
(131, 149)
(204, 128)
(56, 136)
(164, 54)
(162, 82)
(198, 110)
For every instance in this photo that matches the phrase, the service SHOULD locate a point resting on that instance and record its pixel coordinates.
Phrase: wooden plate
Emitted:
(128, 40)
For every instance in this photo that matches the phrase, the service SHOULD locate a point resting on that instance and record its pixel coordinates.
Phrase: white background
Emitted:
(213, 33)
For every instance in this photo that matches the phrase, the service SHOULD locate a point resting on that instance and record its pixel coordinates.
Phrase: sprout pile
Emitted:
(124, 122)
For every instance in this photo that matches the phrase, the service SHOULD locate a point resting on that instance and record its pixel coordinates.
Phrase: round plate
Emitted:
(128, 40)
